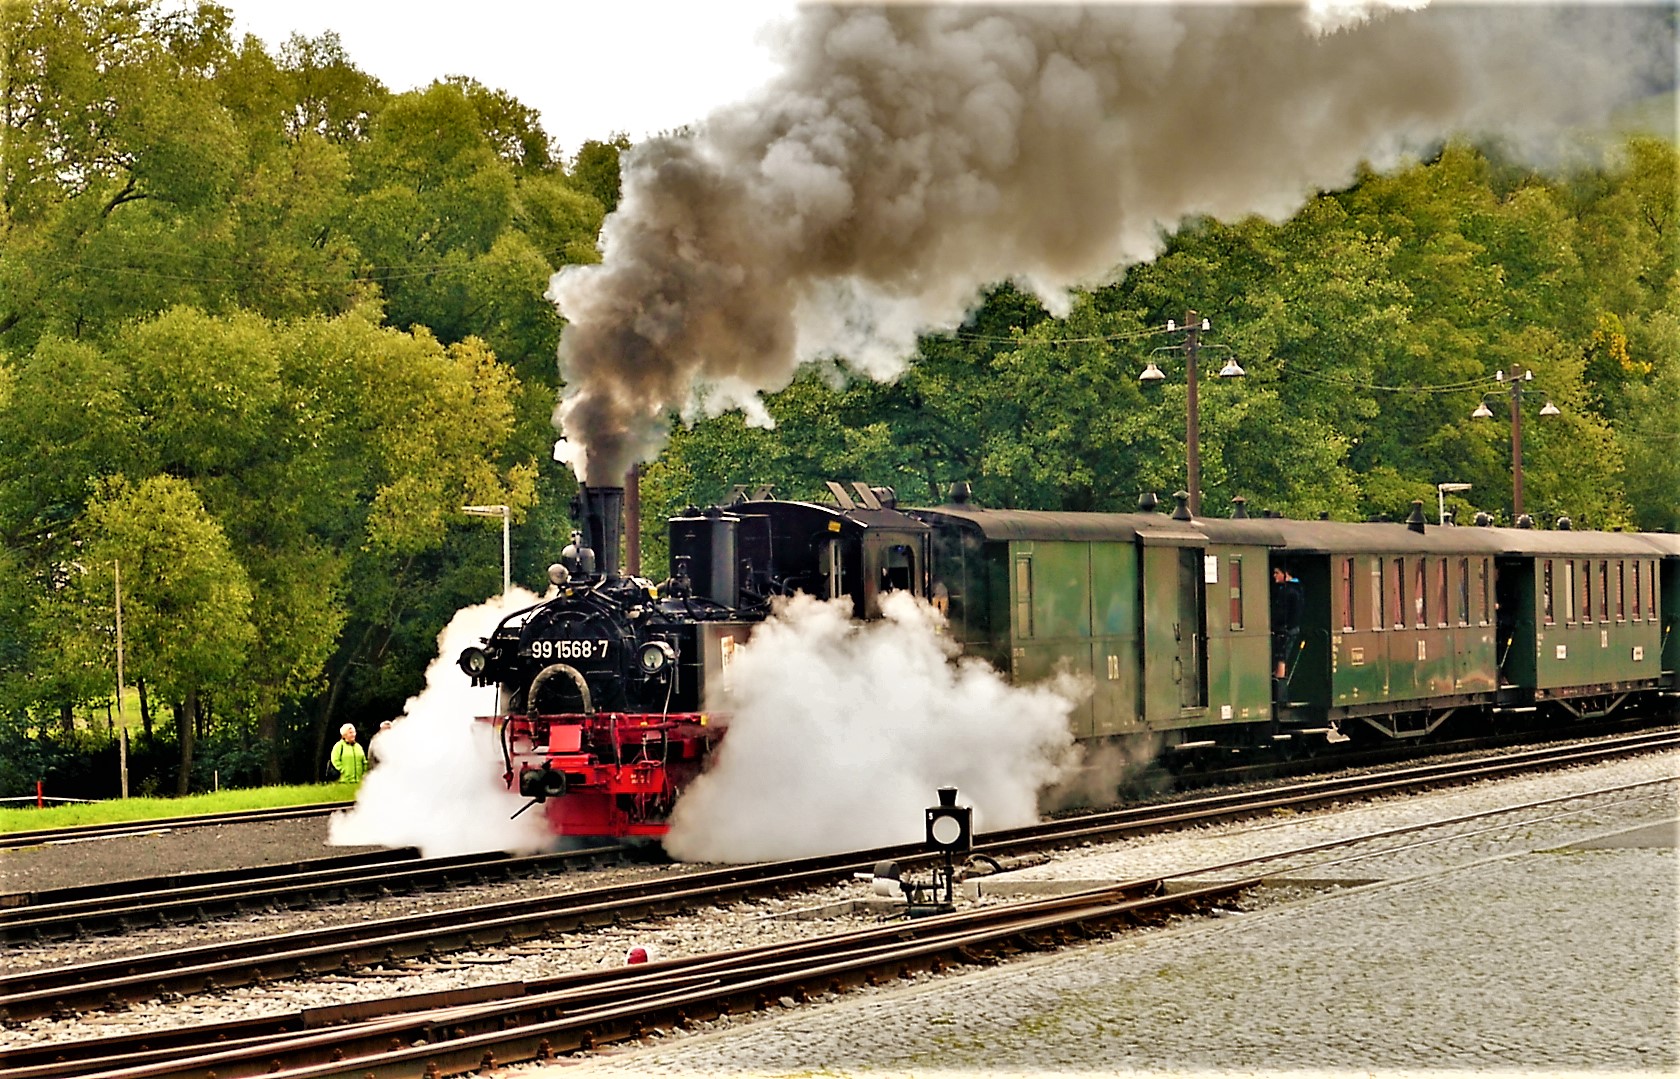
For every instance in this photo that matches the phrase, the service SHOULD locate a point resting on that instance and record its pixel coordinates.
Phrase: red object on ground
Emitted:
(638, 954)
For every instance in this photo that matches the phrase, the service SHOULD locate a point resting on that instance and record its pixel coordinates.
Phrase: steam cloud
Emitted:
(841, 732)
(910, 156)
(438, 783)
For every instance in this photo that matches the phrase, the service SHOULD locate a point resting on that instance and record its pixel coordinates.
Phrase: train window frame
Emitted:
(1651, 591)
(1420, 601)
(1236, 567)
(1464, 592)
(1621, 590)
(1023, 596)
(1348, 609)
(1570, 594)
(1548, 593)
(1603, 590)
(1441, 593)
(1379, 620)
(1585, 567)
(1638, 594)
(1484, 601)
(1399, 595)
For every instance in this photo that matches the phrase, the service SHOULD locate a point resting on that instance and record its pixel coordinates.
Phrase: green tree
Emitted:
(186, 598)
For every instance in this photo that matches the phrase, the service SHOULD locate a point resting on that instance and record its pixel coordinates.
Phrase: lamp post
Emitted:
(505, 514)
(1441, 492)
(1193, 329)
(1516, 382)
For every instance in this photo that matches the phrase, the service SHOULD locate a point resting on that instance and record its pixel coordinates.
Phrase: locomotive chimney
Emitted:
(601, 510)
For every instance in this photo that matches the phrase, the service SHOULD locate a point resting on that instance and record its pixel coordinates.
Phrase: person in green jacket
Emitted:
(348, 758)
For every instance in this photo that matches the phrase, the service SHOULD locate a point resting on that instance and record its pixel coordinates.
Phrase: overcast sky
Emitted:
(590, 68)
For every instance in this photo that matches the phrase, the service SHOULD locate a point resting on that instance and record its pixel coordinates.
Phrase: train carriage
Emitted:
(1168, 619)
(1399, 627)
(1578, 617)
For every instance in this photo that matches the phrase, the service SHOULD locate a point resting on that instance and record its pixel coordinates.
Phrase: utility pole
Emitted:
(122, 720)
(1192, 413)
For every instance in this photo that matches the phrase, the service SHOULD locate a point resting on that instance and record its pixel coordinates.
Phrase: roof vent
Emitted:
(1565, 524)
(1148, 502)
(1181, 505)
(1483, 519)
(1239, 508)
(1525, 521)
(961, 492)
(1415, 521)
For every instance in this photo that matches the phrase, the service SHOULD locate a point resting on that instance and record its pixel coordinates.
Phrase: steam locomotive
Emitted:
(1403, 626)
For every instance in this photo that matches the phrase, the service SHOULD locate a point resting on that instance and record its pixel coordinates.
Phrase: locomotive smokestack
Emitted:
(602, 513)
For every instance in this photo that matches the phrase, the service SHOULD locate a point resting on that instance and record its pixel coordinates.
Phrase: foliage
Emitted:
(265, 326)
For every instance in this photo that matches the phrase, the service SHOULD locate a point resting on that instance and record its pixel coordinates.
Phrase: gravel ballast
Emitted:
(1510, 946)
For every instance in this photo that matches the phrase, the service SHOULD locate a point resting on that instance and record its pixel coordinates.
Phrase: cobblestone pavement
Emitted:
(1554, 960)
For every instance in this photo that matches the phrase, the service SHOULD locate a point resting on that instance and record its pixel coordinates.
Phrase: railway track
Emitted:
(450, 1033)
(39, 836)
(74, 913)
(115, 984)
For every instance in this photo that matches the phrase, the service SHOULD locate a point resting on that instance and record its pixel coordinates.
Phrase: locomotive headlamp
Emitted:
(950, 827)
(656, 656)
(474, 661)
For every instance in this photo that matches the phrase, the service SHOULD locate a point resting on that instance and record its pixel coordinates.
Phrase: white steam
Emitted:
(841, 733)
(438, 782)
(909, 156)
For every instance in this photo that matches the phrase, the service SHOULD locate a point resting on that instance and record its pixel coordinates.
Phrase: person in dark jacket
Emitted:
(1288, 602)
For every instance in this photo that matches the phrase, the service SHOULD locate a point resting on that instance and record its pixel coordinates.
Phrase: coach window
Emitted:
(1347, 595)
(1377, 620)
(1420, 608)
(1484, 601)
(1567, 588)
(1399, 596)
(1584, 568)
(1603, 591)
(1464, 591)
(1621, 590)
(1650, 591)
(1638, 612)
(1236, 592)
(1441, 593)
(1546, 594)
(1023, 597)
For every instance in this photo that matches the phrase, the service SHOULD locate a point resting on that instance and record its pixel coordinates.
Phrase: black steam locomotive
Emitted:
(1169, 618)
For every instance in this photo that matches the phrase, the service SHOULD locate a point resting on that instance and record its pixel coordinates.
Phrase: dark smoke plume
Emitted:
(908, 157)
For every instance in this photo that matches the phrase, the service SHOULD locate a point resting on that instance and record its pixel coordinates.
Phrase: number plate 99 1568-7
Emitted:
(571, 649)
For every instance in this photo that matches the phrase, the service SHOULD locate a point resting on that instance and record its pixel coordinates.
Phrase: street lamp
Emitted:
(504, 513)
(1441, 492)
(1515, 391)
(1193, 330)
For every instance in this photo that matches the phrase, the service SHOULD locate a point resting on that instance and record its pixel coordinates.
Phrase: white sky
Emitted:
(590, 67)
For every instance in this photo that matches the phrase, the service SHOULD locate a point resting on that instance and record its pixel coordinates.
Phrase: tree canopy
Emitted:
(266, 326)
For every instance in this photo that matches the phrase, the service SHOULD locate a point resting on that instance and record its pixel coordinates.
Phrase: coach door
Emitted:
(1175, 631)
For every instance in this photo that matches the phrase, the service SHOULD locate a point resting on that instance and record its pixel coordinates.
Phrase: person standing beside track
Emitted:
(348, 759)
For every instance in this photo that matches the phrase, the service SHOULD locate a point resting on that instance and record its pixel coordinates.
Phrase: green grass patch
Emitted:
(120, 810)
